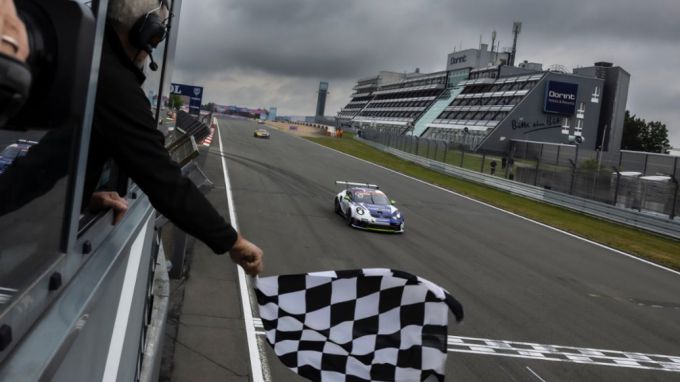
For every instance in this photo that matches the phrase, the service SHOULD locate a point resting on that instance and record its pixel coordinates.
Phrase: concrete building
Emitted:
(483, 103)
(614, 98)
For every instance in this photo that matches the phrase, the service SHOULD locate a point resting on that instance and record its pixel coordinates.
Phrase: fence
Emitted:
(645, 182)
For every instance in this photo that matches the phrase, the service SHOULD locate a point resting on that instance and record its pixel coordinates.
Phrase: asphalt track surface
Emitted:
(518, 281)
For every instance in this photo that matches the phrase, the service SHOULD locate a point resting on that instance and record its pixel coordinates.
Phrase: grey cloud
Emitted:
(296, 43)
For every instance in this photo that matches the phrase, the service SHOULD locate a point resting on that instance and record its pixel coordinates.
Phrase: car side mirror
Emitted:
(393, 202)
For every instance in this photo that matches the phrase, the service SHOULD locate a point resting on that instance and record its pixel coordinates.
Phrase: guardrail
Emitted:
(637, 219)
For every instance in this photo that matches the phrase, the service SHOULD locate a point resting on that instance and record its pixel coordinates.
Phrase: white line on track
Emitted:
(505, 211)
(256, 364)
(542, 352)
(535, 374)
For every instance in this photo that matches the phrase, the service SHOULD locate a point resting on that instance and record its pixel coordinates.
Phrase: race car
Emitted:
(364, 206)
(261, 133)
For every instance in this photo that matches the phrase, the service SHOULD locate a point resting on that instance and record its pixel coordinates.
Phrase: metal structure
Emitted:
(640, 189)
(321, 100)
(516, 29)
(87, 300)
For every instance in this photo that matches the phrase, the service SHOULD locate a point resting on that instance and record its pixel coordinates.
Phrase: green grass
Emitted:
(659, 249)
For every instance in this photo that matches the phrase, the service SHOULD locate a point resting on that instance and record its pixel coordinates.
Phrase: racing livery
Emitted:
(365, 206)
(261, 133)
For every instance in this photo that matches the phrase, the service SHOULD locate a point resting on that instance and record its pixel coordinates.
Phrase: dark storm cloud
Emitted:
(305, 38)
(236, 43)
(338, 39)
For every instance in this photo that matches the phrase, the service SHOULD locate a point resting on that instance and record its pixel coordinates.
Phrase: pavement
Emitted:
(518, 281)
(205, 335)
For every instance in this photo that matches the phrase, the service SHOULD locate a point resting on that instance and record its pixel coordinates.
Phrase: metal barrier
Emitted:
(637, 219)
(181, 144)
(156, 332)
(646, 182)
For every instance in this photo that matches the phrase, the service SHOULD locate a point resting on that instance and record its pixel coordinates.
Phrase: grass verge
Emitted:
(656, 248)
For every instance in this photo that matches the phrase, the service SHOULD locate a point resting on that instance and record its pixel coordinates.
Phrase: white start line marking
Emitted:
(527, 350)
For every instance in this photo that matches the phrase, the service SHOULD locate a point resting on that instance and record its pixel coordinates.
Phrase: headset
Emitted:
(148, 31)
(50, 89)
(15, 83)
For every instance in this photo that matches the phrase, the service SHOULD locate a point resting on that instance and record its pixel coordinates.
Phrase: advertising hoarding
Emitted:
(193, 93)
(560, 97)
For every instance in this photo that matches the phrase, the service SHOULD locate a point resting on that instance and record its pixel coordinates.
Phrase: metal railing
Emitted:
(501, 172)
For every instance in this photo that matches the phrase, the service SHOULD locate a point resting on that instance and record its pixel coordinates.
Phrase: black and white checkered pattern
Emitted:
(561, 353)
(357, 325)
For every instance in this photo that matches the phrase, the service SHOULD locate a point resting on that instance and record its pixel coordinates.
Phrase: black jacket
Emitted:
(124, 130)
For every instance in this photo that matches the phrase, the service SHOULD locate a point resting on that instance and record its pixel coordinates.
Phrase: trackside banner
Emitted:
(560, 97)
(194, 93)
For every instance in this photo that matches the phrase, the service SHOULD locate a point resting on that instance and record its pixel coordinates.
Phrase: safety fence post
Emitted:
(675, 180)
(538, 165)
(618, 182)
(573, 172)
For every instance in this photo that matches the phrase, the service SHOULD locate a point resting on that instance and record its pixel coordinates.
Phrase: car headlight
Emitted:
(360, 211)
(397, 215)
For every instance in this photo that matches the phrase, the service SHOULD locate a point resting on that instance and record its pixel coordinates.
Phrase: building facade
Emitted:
(481, 102)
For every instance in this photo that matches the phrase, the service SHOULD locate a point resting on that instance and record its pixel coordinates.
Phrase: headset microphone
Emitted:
(152, 65)
(147, 32)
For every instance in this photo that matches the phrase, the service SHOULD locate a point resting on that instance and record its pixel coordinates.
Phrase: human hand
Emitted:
(13, 36)
(247, 255)
(102, 200)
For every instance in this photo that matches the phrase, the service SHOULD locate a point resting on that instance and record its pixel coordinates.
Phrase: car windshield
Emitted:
(371, 198)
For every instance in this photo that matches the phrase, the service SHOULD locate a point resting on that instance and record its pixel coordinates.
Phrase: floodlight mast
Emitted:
(516, 29)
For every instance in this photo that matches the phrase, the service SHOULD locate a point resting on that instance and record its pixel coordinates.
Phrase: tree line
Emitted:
(640, 135)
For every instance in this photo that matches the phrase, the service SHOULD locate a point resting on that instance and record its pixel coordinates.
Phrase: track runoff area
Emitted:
(540, 304)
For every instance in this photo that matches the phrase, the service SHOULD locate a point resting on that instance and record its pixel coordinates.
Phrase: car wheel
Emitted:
(348, 216)
(337, 206)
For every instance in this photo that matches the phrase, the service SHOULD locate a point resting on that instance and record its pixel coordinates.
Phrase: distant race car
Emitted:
(365, 206)
(260, 122)
(261, 133)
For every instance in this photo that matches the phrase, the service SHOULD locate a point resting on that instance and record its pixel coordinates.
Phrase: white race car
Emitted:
(365, 206)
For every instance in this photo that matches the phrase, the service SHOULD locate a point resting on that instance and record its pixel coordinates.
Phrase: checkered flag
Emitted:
(357, 325)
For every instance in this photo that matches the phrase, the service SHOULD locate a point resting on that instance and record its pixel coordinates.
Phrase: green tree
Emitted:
(633, 131)
(656, 139)
(640, 135)
(175, 101)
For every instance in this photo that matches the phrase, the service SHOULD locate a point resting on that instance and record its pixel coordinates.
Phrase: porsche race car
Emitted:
(261, 133)
(365, 206)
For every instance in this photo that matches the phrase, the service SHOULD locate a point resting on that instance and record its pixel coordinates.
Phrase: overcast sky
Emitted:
(262, 53)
